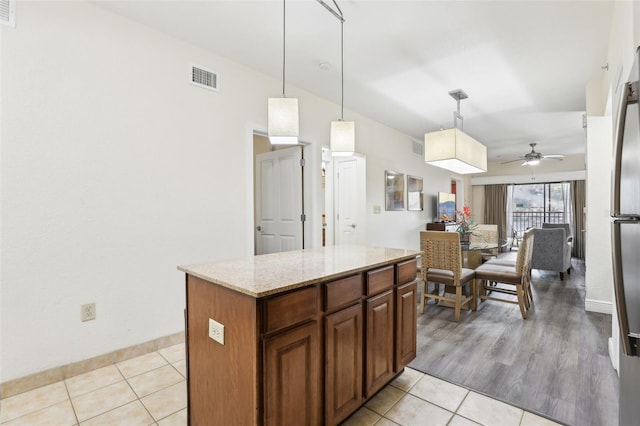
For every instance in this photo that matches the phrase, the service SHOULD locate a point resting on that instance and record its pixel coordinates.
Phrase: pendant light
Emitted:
(343, 137)
(283, 112)
(454, 150)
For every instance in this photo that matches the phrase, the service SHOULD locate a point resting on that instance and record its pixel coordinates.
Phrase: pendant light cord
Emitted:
(284, 41)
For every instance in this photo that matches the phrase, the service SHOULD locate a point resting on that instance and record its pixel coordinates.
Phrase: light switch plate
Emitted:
(216, 331)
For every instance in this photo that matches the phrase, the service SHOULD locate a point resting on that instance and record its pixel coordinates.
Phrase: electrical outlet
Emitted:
(216, 331)
(88, 312)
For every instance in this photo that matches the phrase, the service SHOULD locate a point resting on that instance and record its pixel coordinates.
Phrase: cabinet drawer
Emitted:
(379, 280)
(290, 309)
(342, 292)
(406, 271)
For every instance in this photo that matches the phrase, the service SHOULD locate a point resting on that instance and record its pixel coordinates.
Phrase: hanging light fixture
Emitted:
(283, 112)
(454, 150)
(343, 134)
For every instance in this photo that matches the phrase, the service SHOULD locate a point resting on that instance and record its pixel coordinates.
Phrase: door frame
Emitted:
(310, 179)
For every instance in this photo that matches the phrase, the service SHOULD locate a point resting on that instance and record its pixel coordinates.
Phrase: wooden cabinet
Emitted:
(406, 312)
(343, 363)
(292, 377)
(380, 339)
(406, 320)
(312, 355)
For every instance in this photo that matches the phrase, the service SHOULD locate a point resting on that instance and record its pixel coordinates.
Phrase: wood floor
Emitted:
(555, 362)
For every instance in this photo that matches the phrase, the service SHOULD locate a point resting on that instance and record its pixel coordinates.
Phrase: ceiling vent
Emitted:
(203, 78)
(417, 148)
(8, 12)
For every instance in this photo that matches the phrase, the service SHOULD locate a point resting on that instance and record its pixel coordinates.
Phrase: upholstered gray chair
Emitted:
(551, 251)
(565, 226)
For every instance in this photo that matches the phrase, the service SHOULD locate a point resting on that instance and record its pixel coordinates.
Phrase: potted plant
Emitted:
(465, 224)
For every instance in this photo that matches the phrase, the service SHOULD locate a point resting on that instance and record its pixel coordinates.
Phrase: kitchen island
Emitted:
(299, 337)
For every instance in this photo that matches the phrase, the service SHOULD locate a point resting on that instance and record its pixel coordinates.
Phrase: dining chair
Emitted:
(442, 264)
(500, 275)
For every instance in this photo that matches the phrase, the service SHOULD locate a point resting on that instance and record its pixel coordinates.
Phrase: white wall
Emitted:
(115, 169)
(398, 228)
(598, 273)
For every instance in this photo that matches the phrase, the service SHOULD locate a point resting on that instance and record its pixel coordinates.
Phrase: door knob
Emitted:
(353, 225)
(259, 228)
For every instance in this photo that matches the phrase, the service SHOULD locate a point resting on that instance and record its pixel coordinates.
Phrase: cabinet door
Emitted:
(379, 346)
(292, 377)
(343, 363)
(406, 317)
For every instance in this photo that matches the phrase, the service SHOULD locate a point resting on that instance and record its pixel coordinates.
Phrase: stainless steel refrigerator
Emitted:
(625, 210)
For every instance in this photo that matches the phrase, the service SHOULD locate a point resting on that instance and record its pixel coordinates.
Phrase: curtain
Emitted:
(509, 228)
(578, 222)
(495, 208)
(567, 206)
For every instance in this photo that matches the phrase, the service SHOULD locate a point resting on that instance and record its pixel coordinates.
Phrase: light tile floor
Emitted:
(151, 390)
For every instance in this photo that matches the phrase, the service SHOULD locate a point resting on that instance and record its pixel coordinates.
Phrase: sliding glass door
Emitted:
(532, 205)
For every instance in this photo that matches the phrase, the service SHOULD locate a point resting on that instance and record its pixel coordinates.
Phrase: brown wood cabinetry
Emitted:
(292, 392)
(343, 364)
(312, 355)
(406, 328)
(406, 313)
(379, 346)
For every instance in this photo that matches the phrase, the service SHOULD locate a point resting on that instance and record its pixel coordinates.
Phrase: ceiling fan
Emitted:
(532, 158)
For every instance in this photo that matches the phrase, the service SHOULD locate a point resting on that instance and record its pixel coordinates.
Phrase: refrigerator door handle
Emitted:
(629, 96)
(628, 339)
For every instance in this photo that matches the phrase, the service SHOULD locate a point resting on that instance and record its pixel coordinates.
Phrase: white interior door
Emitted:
(279, 225)
(350, 201)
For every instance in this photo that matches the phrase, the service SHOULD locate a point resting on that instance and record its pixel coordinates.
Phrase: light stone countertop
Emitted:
(269, 274)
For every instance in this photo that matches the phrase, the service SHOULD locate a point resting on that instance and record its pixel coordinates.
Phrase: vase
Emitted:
(465, 238)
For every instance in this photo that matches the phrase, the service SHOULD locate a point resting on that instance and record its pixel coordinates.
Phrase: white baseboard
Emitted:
(597, 306)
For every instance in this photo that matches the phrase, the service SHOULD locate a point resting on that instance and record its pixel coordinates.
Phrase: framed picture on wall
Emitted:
(394, 190)
(414, 193)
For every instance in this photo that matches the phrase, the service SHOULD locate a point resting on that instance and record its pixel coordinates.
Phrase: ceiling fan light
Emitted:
(283, 121)
(343, 138)
(454, 150)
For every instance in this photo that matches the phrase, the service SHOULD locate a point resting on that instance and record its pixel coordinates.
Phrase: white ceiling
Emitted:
(524, 64)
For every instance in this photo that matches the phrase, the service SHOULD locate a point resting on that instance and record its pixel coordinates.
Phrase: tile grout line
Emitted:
(66, 388)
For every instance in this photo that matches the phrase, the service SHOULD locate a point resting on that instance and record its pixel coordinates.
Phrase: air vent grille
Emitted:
(417, 148)
(204, 78)
(8, 12)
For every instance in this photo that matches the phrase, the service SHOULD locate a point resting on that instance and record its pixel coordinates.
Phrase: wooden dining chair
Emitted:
(501, 276)
(442, 264)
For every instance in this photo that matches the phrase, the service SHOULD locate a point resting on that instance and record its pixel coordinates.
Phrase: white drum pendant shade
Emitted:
(454, 150)
(283, 121)
(343, 138)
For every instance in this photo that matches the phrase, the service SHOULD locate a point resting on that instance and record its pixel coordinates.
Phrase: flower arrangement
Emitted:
(463, 219)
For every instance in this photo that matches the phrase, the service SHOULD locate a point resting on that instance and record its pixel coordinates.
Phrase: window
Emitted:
(535, 204)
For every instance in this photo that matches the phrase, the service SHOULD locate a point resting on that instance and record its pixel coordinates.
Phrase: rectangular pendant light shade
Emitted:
(454, 150)
(283, 121)
(343, 138)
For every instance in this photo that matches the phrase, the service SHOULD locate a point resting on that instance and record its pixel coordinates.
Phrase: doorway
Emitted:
(350, 200)
(278, 197)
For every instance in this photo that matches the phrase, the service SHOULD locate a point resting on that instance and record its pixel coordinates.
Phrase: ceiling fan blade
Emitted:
(553, 156)
(549, 157)
(512, 161)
